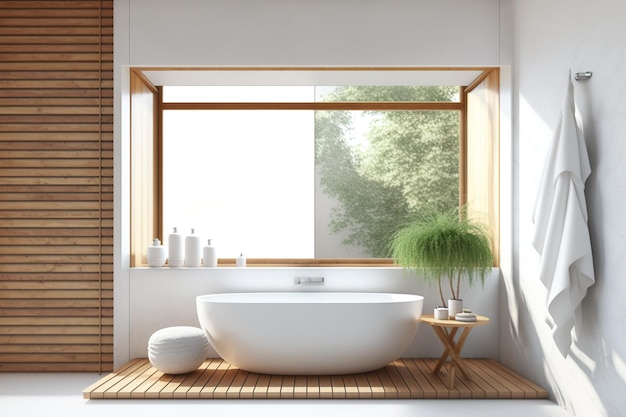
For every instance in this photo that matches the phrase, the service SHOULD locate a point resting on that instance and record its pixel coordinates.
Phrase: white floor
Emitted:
(54, 394)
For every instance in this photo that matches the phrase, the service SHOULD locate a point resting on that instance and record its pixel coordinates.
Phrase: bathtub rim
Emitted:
(309, 297)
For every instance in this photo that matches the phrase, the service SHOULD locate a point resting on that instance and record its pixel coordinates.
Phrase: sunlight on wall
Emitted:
(534, 127)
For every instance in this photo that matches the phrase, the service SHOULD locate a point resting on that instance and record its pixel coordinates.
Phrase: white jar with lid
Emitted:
(156, 253)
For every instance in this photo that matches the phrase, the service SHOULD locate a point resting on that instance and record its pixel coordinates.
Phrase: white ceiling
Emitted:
(196, 77)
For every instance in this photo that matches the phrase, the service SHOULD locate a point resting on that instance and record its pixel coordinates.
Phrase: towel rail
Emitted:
(583, 75)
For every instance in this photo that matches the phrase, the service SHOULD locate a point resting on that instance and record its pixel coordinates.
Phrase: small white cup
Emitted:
(441, 313)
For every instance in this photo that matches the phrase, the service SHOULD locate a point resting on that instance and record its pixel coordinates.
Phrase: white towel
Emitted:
(561, 230)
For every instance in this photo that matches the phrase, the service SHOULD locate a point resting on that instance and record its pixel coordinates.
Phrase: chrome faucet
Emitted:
(308, 281)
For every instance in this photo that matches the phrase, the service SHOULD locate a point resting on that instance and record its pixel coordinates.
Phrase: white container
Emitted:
(209, 255)
(441, 313)
(454, 307)
(157, 253)
(193, 250)
(176, 249)
(466, 316)
(241, 261)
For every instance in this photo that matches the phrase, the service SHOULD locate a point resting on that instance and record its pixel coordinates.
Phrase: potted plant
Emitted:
(446, 246)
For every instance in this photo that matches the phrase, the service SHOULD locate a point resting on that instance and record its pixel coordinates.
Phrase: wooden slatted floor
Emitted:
(404, 378)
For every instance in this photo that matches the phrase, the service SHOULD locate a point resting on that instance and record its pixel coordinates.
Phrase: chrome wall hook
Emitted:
(583, 75)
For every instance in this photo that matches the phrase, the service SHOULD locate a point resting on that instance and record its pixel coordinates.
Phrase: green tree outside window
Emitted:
(403, 164)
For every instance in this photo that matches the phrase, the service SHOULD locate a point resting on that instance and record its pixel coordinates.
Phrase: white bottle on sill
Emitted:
(241, 261)
(209, 255)
(193, 250)
(176, 249)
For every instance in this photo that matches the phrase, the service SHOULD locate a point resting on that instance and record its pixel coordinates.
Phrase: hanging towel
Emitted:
(561, 232)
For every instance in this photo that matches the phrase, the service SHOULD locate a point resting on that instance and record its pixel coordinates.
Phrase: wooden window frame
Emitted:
(460, 106)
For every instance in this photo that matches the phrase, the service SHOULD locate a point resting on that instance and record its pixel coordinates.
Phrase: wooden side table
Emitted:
(447, 330)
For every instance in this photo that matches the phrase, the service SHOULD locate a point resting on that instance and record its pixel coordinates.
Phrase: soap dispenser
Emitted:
(176, 249)
(241, 261)
(209, 255)
(193, 249)
(156, 253)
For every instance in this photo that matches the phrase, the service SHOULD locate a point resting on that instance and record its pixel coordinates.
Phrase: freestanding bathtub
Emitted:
(309, 333)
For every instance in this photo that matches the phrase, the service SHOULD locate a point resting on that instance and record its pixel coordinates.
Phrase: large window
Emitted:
(244, 179)
(273, 177)
(308, 175)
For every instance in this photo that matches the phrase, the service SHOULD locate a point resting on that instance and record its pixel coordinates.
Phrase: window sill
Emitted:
(305, 263)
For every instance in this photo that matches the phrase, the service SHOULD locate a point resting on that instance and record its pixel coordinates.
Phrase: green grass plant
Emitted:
(444, 246)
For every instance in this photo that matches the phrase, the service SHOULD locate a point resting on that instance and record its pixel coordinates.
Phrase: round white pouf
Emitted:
(178, 350)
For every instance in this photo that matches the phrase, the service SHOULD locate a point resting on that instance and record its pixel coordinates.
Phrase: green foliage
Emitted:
(368, 209)
(444, 245)
(407, 166)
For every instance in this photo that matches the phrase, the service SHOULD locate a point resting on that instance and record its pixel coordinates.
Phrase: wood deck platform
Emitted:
(404, 378)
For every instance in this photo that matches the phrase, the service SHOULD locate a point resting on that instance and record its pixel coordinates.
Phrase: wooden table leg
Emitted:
(447, 338)
(455, 353)
(452, 349)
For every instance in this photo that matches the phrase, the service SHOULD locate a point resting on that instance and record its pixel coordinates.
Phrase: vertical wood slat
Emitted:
(56, 185)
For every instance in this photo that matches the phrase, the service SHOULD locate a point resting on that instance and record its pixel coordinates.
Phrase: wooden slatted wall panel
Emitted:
(56, 185)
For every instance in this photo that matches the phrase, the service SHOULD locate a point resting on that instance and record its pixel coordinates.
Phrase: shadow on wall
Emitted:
(606, 370)
(600, 380)
(594, 352)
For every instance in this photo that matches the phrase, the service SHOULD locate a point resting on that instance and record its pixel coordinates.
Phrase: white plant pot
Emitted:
(454, 307)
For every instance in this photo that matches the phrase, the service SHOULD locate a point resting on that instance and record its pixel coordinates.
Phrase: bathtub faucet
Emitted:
(308, 280)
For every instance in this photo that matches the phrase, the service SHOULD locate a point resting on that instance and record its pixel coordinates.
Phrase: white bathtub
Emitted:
(309, 333)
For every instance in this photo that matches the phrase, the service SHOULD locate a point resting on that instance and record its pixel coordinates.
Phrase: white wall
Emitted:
(549, 39)
(163, 297)
(320, 32)
(283, 33)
